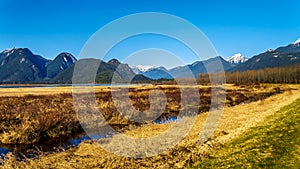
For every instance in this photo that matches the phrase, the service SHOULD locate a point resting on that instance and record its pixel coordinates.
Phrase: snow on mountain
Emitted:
(297, 42)
(237, 58)
(139, 69)
(6, 50)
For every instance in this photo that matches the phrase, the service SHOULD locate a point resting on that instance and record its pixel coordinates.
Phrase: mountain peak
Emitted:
(6, 50)
(237, 55)
(60, 63)
(291, 48)
(236, 58)
(139, 69)
(297, 42)
(114, 62)
(15, 51)
(67, 56)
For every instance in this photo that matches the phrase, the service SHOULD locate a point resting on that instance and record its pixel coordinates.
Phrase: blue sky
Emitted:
(50, 27)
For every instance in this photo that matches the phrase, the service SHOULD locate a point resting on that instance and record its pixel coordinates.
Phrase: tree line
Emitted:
(288, 74)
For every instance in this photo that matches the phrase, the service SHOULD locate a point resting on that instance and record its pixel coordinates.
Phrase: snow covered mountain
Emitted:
(140, 69)
(297, 42)
(237, 58)
(280, 57)
(291, 48)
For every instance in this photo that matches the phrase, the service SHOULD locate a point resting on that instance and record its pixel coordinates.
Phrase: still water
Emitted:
(32, 151)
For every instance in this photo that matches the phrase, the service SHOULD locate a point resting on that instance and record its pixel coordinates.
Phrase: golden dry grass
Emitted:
(34, 91)
(235, 120)
(48, 113)
(29, 119)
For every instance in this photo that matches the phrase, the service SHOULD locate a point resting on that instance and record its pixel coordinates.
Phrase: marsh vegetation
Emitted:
(235, 121)
(37, 118)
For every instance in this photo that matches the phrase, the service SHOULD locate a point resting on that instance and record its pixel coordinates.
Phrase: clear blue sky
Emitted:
(51, 27)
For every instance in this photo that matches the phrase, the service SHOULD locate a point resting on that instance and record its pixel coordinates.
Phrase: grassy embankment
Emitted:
(235, 120)
(275, 143)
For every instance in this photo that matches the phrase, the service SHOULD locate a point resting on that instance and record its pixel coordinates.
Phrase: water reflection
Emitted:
(32, 151)
(167, 120)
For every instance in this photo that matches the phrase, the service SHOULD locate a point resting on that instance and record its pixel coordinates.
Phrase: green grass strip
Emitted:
(273, 144)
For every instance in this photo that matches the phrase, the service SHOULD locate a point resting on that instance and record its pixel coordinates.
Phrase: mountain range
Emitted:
(139, 69)
(106, 72)
(20, 65)
(282, 56)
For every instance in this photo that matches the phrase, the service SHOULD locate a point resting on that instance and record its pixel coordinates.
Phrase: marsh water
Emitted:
(32, 151)
(56, 145)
